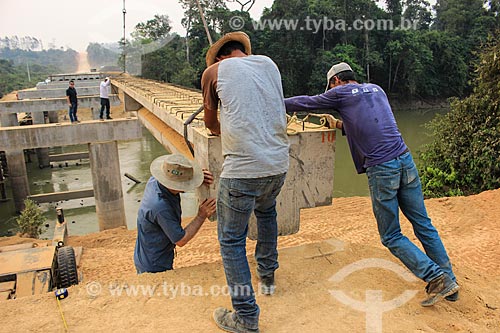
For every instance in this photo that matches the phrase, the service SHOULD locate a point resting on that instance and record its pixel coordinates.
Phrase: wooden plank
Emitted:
(16, 247)
(68, 157)
(4, 295)
(7, 286)
(60, 233)
(28, 260)
(24, 284)
(41, 282)
(78, 255)
(58, 196)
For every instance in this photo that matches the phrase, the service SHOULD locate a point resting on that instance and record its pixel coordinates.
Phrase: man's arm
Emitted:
(211, 121)
(319, 102)
(210, 99)
(205, 210)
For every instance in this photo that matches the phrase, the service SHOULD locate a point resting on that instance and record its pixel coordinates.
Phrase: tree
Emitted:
(152, 30)
(464, 157)
(31, 219)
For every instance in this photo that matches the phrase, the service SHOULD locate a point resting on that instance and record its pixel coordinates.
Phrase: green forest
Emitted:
(16, 62)
(434, 58)
(445, 50)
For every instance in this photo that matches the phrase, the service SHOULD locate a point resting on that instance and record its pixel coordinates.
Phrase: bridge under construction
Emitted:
(173, 115)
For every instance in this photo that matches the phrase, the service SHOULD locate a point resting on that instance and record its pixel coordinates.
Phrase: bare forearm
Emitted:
(212, 121)
(191, 230)
(214, 128)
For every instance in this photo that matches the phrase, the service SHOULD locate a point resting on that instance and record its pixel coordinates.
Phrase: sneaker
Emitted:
(108, 117)
(267, 285)
(438, 289)
(453, 297)
(224, 318)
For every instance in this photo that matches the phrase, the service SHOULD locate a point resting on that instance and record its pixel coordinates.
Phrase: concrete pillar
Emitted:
(9, 119)
(53, 117)
(42, 154)
(38, 118)
(106, 179)
(18, 177)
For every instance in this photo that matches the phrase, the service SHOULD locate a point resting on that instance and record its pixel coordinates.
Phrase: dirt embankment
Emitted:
(337, 235)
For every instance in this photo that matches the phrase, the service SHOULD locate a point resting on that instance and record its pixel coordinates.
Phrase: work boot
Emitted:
(438, 289)
(228, 321)
(453, 297)
(267, 286)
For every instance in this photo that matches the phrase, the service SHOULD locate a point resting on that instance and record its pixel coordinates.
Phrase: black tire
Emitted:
(67, 274)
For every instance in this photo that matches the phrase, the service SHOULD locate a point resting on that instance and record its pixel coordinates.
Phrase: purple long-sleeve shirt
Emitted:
(368, 121)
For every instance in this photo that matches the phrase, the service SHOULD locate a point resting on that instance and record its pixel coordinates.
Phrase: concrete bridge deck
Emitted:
(61, 85)
(64, 134)
(56, 93)
(52, 104)
(163, 110)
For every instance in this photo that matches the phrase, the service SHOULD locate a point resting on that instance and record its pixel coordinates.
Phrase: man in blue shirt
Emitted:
(159, 227)
(378, 149)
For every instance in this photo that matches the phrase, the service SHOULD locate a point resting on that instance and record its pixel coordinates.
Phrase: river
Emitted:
(135, 158)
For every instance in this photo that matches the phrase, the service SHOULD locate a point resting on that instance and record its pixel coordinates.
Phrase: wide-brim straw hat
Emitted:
(237, 36)
(176, 172)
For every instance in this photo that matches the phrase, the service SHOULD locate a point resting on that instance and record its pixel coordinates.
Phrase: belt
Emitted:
(406, 151)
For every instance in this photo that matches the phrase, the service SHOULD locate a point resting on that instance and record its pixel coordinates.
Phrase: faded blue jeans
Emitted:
(396, 184)
(72, 112)
(236, 201)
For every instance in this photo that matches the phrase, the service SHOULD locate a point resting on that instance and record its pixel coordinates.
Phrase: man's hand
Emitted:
(207, 208)
(208, 177)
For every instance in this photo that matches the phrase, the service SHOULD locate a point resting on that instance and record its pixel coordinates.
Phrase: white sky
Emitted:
(75, 23)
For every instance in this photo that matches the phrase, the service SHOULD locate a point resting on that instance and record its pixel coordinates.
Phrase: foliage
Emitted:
(464, 157)
(152, 30)
(31, 219)
(14, 77)
(66, 61)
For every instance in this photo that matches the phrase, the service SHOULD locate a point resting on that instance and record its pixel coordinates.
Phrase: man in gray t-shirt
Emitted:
(252, 127)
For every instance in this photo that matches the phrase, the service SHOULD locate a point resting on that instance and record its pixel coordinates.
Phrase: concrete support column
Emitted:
(18, 177)
(53, 117)
(42, 154)
(105, 168)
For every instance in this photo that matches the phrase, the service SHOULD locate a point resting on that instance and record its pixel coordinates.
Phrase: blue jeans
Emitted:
(72, 111)
(396, 184)
(237, 199)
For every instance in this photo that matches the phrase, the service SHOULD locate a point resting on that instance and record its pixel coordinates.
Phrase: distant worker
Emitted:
(378, 149)
(71, 96)
(255, 147)
(104, 89)
(159, 228)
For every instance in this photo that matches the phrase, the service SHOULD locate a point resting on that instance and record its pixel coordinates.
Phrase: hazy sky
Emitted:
(75, 23)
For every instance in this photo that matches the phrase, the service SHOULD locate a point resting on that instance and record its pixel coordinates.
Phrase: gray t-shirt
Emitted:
(252, 115)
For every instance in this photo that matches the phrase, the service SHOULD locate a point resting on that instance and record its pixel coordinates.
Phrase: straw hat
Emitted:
(176, 172)
(338, 68)
(237, 36)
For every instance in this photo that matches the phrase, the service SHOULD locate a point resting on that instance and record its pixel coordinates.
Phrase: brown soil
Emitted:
(337, 236)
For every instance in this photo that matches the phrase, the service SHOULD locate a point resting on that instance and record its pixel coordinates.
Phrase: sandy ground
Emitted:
(336, 236)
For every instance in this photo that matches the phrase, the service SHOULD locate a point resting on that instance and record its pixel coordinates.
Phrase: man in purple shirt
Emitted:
(378, 150)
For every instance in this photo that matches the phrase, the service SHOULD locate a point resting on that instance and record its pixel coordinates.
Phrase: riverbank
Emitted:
(337, 235)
